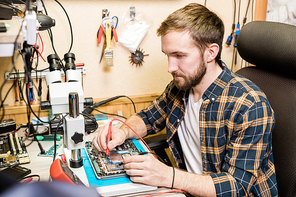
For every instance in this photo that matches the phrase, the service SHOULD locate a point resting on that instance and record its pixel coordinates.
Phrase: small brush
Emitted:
(108, 51)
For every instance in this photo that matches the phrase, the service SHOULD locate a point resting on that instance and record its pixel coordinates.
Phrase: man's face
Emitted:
(186, 63)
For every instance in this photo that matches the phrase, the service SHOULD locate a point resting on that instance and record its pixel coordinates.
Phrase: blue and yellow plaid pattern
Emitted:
(236, 122)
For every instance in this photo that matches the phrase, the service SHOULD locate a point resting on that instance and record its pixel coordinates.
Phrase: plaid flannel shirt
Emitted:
(236, 122)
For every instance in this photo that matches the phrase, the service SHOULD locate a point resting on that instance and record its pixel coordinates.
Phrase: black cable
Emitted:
(234, 13)
(110, 114)
(30, 107)
(230, 37)
(28, 78)
(70, 25)
(232, 62)
(41, 70)
(55, 137)
(247, 9)
(50, 34)
(29, 142)
(132, 103)
(13, 84)
(234, 57)
(238, 12)
(93, 119)
(244, 22)
(88, 110)
(37, 59)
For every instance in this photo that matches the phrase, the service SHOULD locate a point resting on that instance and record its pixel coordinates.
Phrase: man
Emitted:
(218, 124)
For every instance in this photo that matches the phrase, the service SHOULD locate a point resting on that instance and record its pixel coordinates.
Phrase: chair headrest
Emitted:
(269, 45)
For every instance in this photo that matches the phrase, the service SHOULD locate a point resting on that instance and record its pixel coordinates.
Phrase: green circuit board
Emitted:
(110, 166)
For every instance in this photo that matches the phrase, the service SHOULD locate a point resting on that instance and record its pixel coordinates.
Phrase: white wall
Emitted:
(122, 78)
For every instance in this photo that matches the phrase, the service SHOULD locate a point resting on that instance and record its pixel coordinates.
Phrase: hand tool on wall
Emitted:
(103, 31)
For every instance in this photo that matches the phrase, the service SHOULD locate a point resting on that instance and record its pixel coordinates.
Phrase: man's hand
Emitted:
(148, 170)
(118, 136)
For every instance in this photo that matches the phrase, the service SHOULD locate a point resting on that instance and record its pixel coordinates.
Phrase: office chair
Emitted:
(271, 47)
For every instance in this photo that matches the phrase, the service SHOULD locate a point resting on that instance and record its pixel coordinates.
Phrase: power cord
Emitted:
(230, 37)
(93, 120)
(88, 110)
(110, 114)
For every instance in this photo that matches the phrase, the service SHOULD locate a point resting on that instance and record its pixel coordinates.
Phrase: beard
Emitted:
(192, 80)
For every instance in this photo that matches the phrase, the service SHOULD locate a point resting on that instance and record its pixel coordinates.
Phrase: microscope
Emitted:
(67, 100)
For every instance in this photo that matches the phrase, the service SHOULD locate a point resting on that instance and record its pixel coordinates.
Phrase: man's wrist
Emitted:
(173, 178)
(126, 131)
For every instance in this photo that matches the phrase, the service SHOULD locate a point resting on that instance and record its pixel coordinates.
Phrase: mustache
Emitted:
(175, 74)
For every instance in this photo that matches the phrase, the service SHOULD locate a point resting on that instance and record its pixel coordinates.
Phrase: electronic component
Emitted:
(17, 172)
(50, 151)
(110, 166)
(7, 125)
(13, 151)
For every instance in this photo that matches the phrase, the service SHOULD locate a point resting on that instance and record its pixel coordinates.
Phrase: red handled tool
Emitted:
(61, 172)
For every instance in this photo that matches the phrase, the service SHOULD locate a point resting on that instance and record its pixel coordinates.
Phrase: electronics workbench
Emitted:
(77, 161)
(40, 165)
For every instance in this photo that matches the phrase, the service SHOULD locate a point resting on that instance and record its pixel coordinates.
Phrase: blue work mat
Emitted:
(92, 179)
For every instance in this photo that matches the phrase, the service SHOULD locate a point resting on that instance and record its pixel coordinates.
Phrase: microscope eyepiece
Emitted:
(53, 61)
(70, 61)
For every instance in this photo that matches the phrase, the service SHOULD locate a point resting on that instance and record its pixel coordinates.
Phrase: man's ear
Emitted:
(212, 52)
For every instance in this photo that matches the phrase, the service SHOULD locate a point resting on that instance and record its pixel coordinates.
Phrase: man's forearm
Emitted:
(137, 124)
(196, 185)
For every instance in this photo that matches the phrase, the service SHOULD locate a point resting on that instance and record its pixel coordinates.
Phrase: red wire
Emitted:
(107, 152)
(109, 136)
(42, 49)
(171, 191)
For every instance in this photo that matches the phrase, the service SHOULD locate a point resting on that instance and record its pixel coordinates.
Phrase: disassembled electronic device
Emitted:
(111, 166)
(12, 151)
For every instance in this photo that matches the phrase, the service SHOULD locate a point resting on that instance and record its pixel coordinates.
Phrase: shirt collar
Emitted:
(217, 87)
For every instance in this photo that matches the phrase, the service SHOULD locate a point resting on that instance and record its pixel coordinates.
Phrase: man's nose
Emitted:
(172, 65)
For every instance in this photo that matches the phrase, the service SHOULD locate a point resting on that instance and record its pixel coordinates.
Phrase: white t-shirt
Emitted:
(189, 136)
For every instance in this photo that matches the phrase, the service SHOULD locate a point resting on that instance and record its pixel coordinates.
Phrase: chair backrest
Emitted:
(271, 47)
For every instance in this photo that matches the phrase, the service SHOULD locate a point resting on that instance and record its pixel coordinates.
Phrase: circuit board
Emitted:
(111, 166)
(12, 151)
(50, 151)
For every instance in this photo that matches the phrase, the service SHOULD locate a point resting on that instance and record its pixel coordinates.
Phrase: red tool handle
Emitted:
(100, 34)
(114, 34)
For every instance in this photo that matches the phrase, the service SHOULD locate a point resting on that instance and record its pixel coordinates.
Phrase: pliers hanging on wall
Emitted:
(102, 30)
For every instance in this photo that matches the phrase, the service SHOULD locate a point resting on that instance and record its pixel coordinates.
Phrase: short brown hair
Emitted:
(204, 26)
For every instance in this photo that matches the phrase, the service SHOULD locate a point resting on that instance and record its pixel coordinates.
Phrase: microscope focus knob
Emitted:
(77, 137)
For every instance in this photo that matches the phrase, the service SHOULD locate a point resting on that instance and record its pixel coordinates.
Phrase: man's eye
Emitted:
(179, 56)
